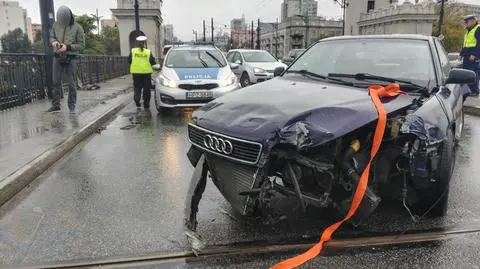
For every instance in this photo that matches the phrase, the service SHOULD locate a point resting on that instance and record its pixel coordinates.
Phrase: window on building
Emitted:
(370, 5)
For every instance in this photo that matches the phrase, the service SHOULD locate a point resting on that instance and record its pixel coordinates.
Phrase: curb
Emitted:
(21, 178)
(472, 110)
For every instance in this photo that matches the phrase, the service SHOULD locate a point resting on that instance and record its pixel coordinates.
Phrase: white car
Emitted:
(254, 65)
(192, 76)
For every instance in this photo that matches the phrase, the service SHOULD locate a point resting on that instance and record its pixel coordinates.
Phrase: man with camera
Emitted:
(68, 40)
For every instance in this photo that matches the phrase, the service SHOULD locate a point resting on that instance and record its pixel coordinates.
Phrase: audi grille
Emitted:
(229, 147)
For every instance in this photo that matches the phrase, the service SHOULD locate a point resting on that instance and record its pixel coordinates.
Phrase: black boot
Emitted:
(54, 109)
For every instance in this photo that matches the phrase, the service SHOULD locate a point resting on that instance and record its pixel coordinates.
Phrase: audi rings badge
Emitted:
(218, 144)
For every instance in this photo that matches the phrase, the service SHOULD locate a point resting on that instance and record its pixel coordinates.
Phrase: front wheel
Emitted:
(244, 80)
(436, 196)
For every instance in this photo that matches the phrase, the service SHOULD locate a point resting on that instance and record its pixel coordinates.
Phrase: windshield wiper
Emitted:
(214, 58)
(312, 74)
(364, 76)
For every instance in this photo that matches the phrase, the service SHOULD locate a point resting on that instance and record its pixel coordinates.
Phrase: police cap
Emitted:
(469, 17)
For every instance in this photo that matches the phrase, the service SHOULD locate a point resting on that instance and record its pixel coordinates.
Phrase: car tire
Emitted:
(438, 191)
(244, 80)
(459, 126)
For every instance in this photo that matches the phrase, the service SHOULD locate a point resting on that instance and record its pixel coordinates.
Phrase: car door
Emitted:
(450, 95)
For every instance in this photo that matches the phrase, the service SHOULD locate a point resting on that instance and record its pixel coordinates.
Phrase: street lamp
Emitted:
(137, 18)
(343, 4)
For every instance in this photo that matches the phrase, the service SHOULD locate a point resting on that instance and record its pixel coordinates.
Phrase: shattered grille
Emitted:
(231, 179)
(243, 151)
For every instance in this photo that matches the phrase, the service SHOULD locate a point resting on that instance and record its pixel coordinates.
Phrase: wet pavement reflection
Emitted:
(122, 192)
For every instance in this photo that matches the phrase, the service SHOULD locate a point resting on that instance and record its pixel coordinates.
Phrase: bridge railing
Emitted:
(23, 77)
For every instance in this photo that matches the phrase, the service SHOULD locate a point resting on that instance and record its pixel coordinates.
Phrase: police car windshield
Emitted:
(406, 59)
(195, 58)
(258, 57)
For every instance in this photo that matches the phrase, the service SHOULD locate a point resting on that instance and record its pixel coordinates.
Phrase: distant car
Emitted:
(254, 65)
(193, 75)
(292, 55)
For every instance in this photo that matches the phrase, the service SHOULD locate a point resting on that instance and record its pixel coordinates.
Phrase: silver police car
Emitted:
(193, 75)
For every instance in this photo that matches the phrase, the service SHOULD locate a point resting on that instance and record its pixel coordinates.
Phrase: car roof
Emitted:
(393, 36)
(244, 50)
(195, 47)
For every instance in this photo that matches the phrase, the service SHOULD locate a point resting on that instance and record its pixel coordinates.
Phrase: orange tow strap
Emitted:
(376, 91)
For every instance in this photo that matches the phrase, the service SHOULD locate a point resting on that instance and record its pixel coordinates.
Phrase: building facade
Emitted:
(358, 7)
(36, 29)
(150, 25)
(168, 32)
(113, 22)
(241, 34)
(308, 8)
(407, 18)
(12, 16)
(295, 33)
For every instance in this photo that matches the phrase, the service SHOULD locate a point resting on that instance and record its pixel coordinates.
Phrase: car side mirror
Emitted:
(234, 66)
(238, 62)
(156, 67)
(280, 60)
(278, 71)
(461, 76)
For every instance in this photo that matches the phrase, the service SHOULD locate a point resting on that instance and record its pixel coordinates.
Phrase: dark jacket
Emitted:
(466, 52)
(73, 36)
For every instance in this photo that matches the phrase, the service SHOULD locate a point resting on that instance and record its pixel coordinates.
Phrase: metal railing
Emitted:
(23, 76)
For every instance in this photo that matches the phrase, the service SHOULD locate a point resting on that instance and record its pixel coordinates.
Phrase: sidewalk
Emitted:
(472, 106)
(31, 139)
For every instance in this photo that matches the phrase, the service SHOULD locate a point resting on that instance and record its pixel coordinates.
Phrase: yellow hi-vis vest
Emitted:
(470, 41)
(141, 62)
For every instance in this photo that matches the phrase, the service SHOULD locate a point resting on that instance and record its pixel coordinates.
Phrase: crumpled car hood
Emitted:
(310, 113)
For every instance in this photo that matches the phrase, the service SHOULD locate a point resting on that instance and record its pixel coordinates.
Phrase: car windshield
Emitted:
(258, 57)
(396, 58)
(195, 58)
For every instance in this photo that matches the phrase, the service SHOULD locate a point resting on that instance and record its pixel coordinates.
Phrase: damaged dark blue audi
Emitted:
(308, 133)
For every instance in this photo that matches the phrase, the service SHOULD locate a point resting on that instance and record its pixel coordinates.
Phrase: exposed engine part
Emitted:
(370, 200)
(294, 179)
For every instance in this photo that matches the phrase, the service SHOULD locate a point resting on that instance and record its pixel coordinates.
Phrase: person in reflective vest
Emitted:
(141, 60)
(471, 50)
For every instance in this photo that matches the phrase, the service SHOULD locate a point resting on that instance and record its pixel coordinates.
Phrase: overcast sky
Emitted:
(186, 15)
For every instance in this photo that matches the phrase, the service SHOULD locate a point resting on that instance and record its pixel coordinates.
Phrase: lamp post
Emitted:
(440, 20)
(137, 18)
(343, 4)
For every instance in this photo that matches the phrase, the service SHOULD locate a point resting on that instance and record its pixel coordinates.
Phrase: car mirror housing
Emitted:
(278, 71)
(461, 76)
(156, 67)
(238, 62)
(234, 66)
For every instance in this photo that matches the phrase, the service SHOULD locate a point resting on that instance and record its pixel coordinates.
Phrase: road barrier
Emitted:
(23, 76)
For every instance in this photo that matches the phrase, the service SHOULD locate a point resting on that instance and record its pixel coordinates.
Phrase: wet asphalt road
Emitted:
(122, 193)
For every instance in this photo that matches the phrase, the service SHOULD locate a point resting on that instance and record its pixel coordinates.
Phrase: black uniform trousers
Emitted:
(142, 82)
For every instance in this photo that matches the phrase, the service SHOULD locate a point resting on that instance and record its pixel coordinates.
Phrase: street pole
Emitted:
(137, 19)
(204, 32)
(213, 39)
(344, 4)
(258, 34)
(252, 46)
(47, 18)
(440, 20)
(276, 39)
(98, 22)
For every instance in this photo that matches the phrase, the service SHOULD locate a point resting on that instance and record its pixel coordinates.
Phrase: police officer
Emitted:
(471, 50)
(141, 61)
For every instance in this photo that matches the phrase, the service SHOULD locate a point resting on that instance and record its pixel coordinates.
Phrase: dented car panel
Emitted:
(261, 111)
(309, 136)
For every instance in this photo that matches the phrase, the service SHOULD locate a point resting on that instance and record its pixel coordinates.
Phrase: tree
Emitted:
(111, 40)
(93, 43)
(453, 28)
(16, 42)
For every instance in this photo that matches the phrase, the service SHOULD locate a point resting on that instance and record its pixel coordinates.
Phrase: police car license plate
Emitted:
(199, 95)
